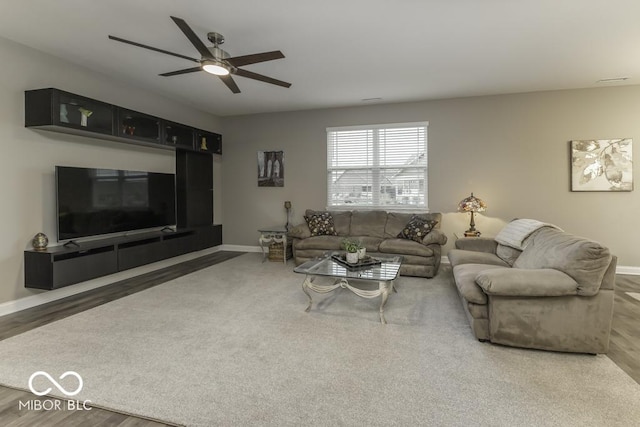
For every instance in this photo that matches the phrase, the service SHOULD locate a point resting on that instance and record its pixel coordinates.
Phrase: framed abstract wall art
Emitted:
(602, 165)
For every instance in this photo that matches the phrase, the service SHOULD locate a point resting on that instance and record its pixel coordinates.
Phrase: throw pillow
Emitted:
(417, 228)
(321, 224)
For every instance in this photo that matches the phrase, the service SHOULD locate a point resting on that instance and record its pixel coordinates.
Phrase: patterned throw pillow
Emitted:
(321, 224)
(417, 228)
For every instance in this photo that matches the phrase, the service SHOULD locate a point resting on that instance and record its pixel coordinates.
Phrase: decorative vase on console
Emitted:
(40, 242)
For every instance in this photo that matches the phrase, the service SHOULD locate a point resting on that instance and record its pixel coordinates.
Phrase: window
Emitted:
(380, 166)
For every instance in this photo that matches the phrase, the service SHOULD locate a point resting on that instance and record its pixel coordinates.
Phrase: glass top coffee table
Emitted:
(385, 273)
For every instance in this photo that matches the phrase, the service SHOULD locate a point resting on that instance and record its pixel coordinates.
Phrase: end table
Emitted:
(277, 235)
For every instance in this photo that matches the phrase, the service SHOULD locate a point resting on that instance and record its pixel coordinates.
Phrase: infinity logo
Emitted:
(54, 382)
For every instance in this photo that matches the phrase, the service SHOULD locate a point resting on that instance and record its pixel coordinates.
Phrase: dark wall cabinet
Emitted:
(59, 111)
(194, 188)
(62, 266)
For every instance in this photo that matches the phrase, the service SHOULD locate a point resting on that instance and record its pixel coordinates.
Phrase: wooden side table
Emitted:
(274, 235)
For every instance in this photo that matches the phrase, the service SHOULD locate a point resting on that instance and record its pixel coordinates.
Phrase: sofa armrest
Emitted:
(520, 282)
(478, 244)
(435, 236)
(300, 231)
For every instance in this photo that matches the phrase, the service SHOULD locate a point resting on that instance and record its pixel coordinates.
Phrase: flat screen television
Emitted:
(92, 202)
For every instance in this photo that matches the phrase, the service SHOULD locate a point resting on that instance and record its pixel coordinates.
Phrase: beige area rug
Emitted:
(231, 345)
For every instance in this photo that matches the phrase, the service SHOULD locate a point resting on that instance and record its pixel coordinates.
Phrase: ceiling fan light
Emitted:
(216, 68)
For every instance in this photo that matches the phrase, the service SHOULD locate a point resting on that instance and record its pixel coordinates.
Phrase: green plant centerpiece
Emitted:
(352, 248)
(350, 245)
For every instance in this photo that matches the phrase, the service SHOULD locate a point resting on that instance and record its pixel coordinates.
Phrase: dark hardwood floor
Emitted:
(624, 346)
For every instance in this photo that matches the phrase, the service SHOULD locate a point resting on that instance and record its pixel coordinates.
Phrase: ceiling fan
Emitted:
(215, 60)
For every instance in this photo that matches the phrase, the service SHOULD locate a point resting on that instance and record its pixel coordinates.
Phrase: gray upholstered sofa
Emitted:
(377, 231)
(555, 294)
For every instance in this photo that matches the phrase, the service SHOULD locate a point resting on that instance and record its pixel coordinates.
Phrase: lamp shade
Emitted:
(472, 204)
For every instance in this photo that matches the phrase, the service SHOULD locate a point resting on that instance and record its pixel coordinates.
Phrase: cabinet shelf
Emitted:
(64, 112)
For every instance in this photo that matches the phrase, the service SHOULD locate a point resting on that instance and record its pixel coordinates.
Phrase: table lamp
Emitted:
(287, 206)
(472, 204)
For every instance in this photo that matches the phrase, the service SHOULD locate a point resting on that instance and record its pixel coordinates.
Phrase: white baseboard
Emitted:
(633, 271)
(56, 294)
(241, 248)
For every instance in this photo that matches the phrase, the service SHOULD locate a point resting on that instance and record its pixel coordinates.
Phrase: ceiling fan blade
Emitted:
(195, 41)
(256, 76)
(231, 84)
(239, 61)
(185, 71)
(155, 49)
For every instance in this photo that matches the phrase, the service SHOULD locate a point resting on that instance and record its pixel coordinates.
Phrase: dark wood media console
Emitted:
(59, 111)
(60, 266)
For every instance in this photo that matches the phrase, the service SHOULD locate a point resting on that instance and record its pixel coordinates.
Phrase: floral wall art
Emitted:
(602, 165)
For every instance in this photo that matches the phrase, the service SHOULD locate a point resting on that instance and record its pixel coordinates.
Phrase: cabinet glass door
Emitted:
(209, 142)
(134, 125)
(178, 135)
(84, 113)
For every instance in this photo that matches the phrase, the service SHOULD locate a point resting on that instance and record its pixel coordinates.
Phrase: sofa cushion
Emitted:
(584, 260)
(397, 220)
(416, 229)
(368, 223)
(465, 277)
(300, 231)
(341, 220)
(327, 243)
(507, 254)
(524, 282)
(462, 256)
(372, 244)
(435, 237)
(321, 224)
(404, 246)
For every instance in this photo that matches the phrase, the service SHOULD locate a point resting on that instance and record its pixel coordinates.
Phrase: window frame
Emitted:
(377, 168)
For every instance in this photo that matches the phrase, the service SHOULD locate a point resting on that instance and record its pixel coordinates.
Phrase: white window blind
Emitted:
(382, 166)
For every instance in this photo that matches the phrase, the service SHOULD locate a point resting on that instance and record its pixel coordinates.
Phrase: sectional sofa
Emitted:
(556, 292)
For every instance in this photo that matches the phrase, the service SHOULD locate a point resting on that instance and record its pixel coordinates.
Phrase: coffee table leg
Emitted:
(384, 291)
(305, 289)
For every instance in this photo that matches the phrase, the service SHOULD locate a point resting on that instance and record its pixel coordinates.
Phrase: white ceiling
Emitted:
(339, 52)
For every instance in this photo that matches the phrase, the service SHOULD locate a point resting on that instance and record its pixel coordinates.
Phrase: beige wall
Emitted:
(512, 151)
(28, 157)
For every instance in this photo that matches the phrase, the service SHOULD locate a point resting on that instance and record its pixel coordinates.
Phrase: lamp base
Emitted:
(472, 233)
